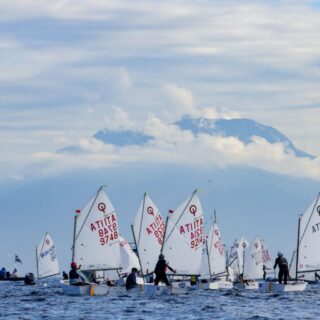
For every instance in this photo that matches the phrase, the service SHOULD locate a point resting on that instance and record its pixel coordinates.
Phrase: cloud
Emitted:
(173, 146)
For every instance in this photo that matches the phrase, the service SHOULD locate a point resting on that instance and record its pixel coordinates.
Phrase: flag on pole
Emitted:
(17, 259)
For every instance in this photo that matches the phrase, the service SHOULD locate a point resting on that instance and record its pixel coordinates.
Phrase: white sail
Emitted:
(309, 240)
(266, 256)
(129, 259)
(253, 265)
(184, 237)
(47, 261)
(148, 231)
(213, 255)
(237, 254)
(96, 245)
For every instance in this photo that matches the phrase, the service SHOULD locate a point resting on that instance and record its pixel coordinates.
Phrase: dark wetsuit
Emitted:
(282, 263)
(160, 272)
(76, 278)
(131, 281)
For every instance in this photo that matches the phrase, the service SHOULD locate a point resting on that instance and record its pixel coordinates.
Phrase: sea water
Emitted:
(46, 301)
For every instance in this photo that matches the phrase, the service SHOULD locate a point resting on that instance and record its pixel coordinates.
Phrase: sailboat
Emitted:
(236, 257)
(213, 265)
(95, 242)
(184, 235)
(306, 258)
(148, 232)
(252, 266)
(46, 258)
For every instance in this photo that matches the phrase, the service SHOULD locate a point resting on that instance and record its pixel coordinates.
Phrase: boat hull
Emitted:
(216, 285)
(85, 290)
(13, 279)
(254, 285)
(279, 287)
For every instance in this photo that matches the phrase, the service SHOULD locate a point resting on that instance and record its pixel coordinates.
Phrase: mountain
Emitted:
(122, 138)
(243, 129)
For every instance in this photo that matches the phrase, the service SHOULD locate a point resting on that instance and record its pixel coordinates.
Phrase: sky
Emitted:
(70, 68)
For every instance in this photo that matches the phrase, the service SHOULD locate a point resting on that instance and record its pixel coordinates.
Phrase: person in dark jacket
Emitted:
(131, 281)
(160, 271)
(76, 277)
(282, 263)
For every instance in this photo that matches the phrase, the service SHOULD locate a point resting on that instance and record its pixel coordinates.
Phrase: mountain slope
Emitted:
(243, 129)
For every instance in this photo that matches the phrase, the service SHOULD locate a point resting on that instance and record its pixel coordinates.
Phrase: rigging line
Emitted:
(85, 220)
(182, 213)
(142, 216)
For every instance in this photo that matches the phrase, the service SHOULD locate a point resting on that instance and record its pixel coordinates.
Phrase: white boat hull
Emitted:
(252, 285)
(175, 288)
(151, 290)
(216, 285)
(85, 290)
(279, 287)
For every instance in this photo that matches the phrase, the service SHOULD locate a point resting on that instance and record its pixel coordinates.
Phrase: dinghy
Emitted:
(46, 258)
(129, 260)
(306, 258)
(307, 253)
(182, 245)
(214, 272)
(95, 242)
(235, 259)
(148, 231)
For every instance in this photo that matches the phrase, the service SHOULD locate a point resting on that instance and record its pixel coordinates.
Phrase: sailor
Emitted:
(76, 277)
(264, 269)
(65, 275)
(160, 271)
(14, 273)
(131, 281)
(282, 263)
(2, 273)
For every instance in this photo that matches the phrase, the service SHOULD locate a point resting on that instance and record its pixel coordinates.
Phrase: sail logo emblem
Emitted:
(150, 211)
(102, 207)
(256, 245)
(216, 232)
(318, 210)
(193, 209)
(244, 245)
(47, 241)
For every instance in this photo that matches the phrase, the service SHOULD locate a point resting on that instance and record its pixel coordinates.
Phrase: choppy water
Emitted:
(39, 302)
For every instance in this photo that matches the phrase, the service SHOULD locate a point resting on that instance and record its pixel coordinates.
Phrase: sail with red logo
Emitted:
(253, 261)
(46, 255)
(96, 236)
(237, 254)
(129, 259)
(309, 241)
(184, 234)
(214, 259)
(148, 230)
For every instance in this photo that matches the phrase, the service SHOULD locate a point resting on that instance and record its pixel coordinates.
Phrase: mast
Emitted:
(37, 262)
(74, 234)
(298, 244)
(135, 242)
(208, 260)
(164, 235)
